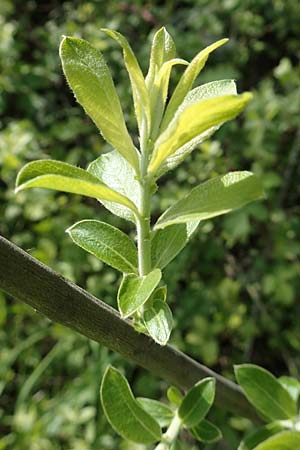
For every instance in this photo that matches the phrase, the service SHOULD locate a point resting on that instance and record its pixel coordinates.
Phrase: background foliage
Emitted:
(233, 290)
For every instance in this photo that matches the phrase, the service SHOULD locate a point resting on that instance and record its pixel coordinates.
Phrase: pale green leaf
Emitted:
(176, 445)
(265, 392)
(123, 411)
(64, 177)
(159, 93)
(204, 92)
(197, 402)
(134, 291)
(138, 84)
(187, 80)
(114, 171)
(91, 82)
(107, 243)
(217, 196)
(259, 435)
(207, 432)
(292, 385)
(158, 321)
(194, 120)
(163, 49)
(160, 293)
(161, 412)
(287, 440)
(174, 395)
(168, 242)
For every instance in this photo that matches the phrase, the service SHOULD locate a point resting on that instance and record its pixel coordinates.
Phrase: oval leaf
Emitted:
(124, 413)
(288, 440)
(139, 89)
(114, 171)
(167, 243)
(265, 392)
(92, 84)
(107, 243)
(161, 412)
(213, 198)
(194, 120)
(259, 435)
(158, 321)
(197, 402)
(187, 80)
(174, 395)
(134, 291)
(207, 432)
(64, 177)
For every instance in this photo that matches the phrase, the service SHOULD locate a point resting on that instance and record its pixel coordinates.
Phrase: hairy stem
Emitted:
(170, 435)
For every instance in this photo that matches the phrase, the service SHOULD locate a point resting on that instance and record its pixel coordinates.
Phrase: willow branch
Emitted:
(28, 280)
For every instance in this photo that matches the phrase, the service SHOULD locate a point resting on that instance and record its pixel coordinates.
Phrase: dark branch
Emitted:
(26, 279)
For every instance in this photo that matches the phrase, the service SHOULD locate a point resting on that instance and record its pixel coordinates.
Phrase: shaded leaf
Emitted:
(114, 171)
(197, 402)
(124, 413)
(187, 80)
(207, 432)
(287, 440)
(265, 392)
(160, 411)
(194, 120)
(158, 321)
(64, 177)
(217, 196)
(134, 291)
(91, 82)
(107, 243)
(259, 435)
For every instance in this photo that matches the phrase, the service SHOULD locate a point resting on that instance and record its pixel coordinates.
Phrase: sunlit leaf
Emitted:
(161, 412)
(194, 120)
(123, 411)
(217, 196)
(158, 321)
(91, 82)
(174, 395)
(64, 177)
(197, 402)
(106, 243)
(287, 440)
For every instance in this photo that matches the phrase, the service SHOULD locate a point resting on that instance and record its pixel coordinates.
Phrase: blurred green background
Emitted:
(234, 291)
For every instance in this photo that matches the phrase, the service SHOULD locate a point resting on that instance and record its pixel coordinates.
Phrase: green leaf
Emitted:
(64, 177)
(114, 171)
(259, 435)
(194, 120)
(176, 445)
(161, 412)
(204, 92)
(217, 196)
(160, 294)
(139, 89)
(124, 413)
(159, 93)
(287, 440)
(168, 242)
(265, 392)
(174, 395)
(158, 321)
(207, 432)
(92, 84)
(292, 385)
(187, 80)
(107, 243)
(134, 291)
(197, 402)
(163, 49)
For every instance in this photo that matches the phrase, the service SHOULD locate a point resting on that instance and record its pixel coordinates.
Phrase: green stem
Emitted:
(170, 435)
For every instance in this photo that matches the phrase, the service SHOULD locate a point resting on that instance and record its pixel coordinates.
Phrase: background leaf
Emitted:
(265, 392)
(91, 82)
(124, 413)
(107, 243)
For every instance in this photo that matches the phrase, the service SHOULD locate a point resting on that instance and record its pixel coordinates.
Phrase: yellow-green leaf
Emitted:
(92, 84)
(192, 121)
(64, 177)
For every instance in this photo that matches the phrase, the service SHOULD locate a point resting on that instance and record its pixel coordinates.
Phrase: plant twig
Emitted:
(30, 281)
